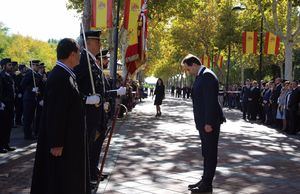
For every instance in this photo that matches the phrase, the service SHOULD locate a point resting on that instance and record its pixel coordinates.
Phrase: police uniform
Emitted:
(40, 102)
(19, 95)
(30, 99)
(94, 114)
(7, 96)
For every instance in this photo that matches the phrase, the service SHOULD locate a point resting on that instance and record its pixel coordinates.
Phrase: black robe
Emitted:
(62, 126)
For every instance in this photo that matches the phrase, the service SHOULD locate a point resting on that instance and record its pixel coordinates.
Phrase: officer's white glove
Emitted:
(36, 89)
(41, 103)
(19, 95)
(121, 91)
(94, 99)
(2, 106)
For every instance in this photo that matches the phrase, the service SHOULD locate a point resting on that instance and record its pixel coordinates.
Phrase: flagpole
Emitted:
(261, 53)
(116, 44)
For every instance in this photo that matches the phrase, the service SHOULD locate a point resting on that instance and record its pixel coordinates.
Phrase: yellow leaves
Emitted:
(23, 49)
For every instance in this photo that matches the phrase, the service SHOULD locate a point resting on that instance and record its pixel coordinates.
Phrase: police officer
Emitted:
(19, 94)
(40, 102)
(31, 85)
(7, 96)
(94, 114)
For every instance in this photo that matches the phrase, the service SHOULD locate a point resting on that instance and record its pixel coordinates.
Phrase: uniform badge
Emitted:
(73, 83)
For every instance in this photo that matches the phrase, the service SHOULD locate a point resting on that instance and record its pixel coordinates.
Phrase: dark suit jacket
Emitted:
(294, 100)
(207, 109)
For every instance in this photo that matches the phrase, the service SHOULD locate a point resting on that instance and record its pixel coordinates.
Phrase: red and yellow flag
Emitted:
(132, 12)
(205, 60)
(272, 44)
(102, 14)
(219, 61)
(249, 42)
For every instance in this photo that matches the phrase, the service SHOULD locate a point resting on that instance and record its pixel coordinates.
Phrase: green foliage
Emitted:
(23, 49)
(179, 27)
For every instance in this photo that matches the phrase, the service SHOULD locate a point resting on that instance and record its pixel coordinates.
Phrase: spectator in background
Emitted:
(293, 108)
(281, 110)
(245, 95)
(266, 103)
(159, 95)
(274, 99)
(254, 100)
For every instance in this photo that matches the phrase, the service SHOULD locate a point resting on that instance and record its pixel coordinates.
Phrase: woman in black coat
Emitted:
(159, 95)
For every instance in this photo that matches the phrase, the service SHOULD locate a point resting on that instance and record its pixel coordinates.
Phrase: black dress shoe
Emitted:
(10, 148)
(3, 151)
(202, 188)
(194, 185)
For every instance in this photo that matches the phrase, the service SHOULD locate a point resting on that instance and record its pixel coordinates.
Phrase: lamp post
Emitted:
(238, 8)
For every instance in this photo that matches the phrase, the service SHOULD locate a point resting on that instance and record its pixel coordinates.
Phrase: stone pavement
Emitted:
(163, 155)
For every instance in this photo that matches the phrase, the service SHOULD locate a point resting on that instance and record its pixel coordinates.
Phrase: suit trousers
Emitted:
(209, 145)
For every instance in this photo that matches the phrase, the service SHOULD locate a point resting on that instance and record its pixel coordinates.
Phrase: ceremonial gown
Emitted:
(63, 125)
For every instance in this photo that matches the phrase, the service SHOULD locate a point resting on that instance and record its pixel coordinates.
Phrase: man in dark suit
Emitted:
(293, 109)
(245, 95)
(254, 102)
(208, 117)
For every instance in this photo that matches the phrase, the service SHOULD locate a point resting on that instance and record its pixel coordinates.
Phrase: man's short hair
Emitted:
(190, 59)
(65, 47)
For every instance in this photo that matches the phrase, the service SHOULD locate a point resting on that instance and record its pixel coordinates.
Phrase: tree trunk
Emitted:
(86, 19)
(288, 74)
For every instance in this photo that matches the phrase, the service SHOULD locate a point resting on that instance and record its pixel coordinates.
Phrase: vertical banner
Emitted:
(205, 60)
(102, 14)
(219, 61)
(132, 12)
(143, 32)
(272, 44)
(249, 42)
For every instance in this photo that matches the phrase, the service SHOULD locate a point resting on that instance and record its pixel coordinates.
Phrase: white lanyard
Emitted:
(66, 68)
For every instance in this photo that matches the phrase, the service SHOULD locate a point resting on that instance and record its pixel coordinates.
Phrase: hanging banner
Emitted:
(132, 13)
(205, 60)
(272, 44)
(249, 42)
(102, 14)
(219, 61)
(143, 33)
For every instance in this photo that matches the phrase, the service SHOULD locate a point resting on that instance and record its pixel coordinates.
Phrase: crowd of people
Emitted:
(275, 103)
(178, 92)
(21, 99)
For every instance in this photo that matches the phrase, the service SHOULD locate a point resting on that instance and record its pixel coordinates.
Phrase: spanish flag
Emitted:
(272, 44)
(205, 60)
(102, 14)
(219, 61)
(249, 42)
(132, 13)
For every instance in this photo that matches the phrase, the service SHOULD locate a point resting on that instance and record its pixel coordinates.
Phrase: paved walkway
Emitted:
(163, 155)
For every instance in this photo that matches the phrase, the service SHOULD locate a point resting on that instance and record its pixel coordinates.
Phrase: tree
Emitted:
(288, 32)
